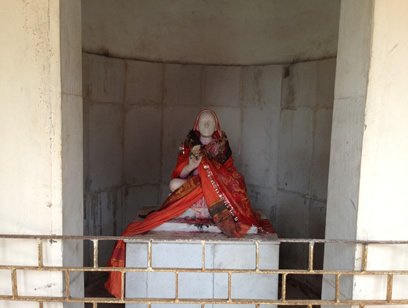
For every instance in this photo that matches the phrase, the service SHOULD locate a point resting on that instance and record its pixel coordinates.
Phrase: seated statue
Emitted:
(204, 172)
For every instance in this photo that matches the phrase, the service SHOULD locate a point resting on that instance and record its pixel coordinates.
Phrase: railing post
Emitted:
(229, 287)
(122, 283)
(202, 255)
(67, 284)
(364, 257)
(390, 279)
(95, 253)
(311, 256)
(257, 256)
(176, 295)
(283, 287)
(149, 255)
(40, 253)
(337, 288)
(14, 283)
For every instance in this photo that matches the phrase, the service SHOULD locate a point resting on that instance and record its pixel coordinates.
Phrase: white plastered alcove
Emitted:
(148, 68)
(41, 120)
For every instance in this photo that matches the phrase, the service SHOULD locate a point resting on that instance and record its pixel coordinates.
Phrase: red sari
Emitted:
(217, 180)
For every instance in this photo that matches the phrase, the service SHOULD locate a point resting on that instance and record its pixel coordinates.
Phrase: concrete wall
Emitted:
(303, 160)
(277, 118)
(347, 136)
(72, 139)
(41, 134)
(103, 89)
(212, 32)
(368, 165)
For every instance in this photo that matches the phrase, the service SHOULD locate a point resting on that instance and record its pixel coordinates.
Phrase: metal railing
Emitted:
(283, 273)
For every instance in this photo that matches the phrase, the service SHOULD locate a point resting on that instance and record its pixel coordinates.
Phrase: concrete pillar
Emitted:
(41, 138)
(368, 173)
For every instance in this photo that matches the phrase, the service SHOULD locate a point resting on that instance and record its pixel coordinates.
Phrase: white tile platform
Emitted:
(185, 250)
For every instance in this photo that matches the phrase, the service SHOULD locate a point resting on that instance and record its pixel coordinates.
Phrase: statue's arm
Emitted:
(182, 161)
(193, 161)
(186, 163)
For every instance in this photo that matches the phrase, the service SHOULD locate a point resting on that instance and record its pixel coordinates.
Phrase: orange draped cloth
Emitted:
(222, 187)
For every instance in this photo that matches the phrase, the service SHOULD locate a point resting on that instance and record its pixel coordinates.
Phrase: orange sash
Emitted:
(176, 204)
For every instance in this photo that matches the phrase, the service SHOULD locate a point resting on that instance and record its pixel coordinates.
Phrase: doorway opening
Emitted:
(266, 68)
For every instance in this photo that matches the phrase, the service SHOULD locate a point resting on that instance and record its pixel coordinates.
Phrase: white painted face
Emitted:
(206, 124)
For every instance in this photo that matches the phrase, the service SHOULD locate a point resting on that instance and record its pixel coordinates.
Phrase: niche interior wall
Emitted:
(142, 93)
(137, 114)
(277, 118)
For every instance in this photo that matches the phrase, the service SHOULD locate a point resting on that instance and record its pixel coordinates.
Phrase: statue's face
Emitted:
(206, 124)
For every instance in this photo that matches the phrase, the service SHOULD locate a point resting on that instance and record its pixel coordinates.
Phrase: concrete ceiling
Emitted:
(212, 31)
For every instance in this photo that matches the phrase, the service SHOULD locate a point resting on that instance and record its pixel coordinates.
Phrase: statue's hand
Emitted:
(195, 157)
(194, 162)
(196, 150)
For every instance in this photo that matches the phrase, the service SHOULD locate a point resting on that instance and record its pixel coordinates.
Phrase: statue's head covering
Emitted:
(217, 122)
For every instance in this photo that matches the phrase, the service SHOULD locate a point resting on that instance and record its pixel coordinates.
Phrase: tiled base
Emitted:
(184, 250)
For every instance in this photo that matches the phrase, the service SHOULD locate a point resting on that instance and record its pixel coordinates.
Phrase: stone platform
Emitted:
(176, 250)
